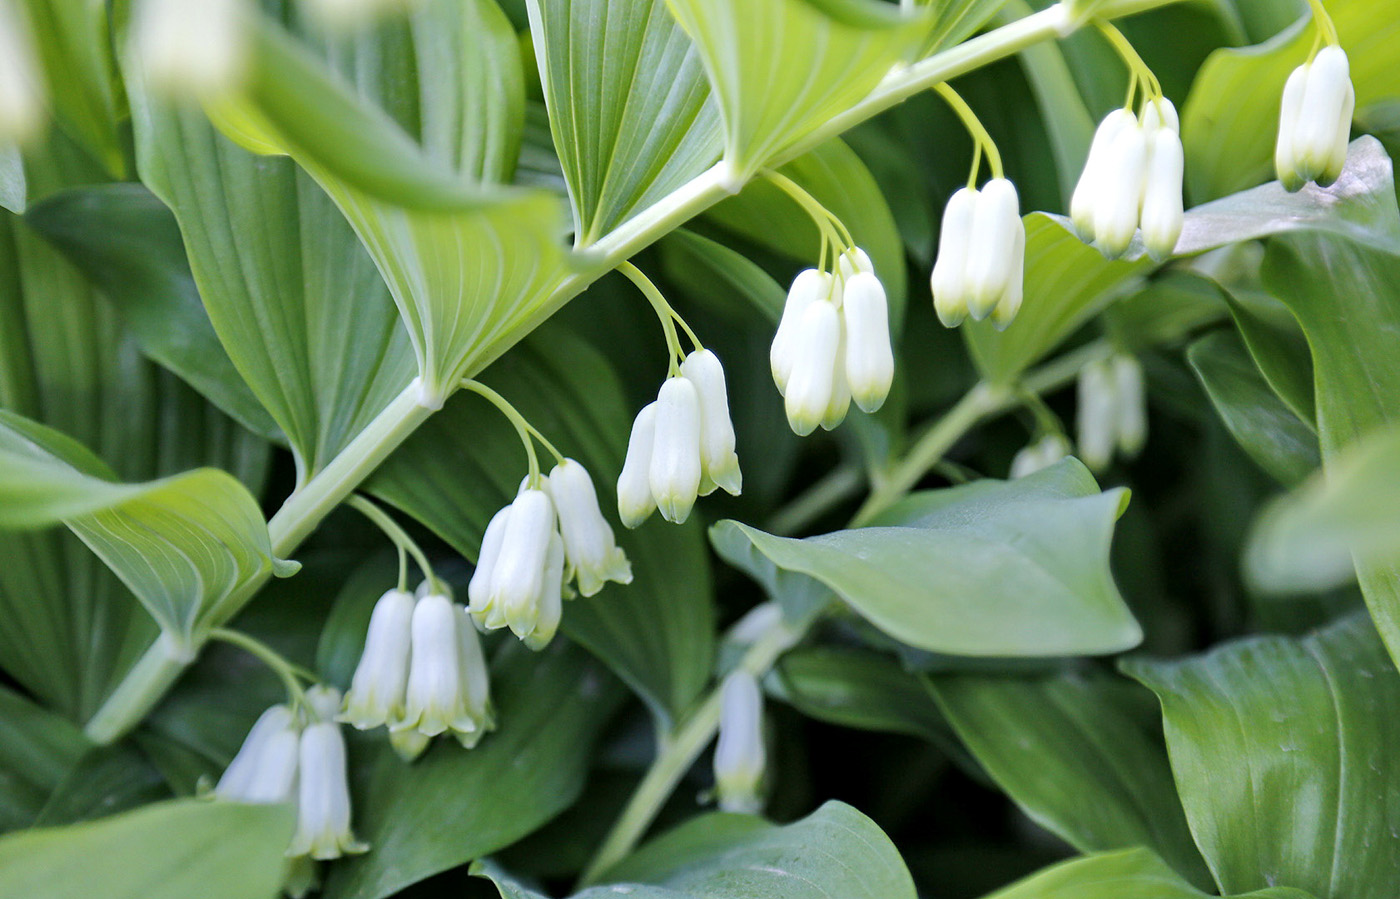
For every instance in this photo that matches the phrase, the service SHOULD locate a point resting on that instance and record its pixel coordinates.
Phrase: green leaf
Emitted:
(860, 689)
(956, 20)
(835, 851)
(1082, 754)
(713, 274)
(465, 463)
(781, 68)
(1067, 283)
(1285, 755)
(14, 193)
(1284, 445)
(992, 568)
(185, 545)
(1129, 874)
(128, 244)
(1305, 540)
(629, 106)
(1280, 350)
(453, 806)
(1230, 119)
(171, 850)
(37, 751)
(837, 178)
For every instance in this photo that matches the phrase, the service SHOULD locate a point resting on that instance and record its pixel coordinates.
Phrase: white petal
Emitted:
(474, 677)
(809, 286)
(479, 588)
(634, 498)
(1323, 103)
(518, 576)
(717, 457)
(589, 544)
(1097, 414)
(1286, 149)
(740, 756)
(1084, 201)
(1120, 197)
(377, 690)
(251, 772)
(433, 698)
(869, 358)
(21, 86)
(323, 796)
(1131, 401)
(551, 608)
(1160, 113)
(810, 389)
(991, 255)
(853, 262)
(1041, 454)
(1162, 212)
(949, 280)
(1337, 159)
(1010, 302)
(840, 402)
(191, 47)
(675, 454)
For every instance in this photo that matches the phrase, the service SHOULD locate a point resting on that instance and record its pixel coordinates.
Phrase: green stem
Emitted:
(831, 228)
(1137, 68)
(269, 657)
(522, 427)
(398, 536)
(980, 137)
(664, 313)
(140, 691)
(676, 756)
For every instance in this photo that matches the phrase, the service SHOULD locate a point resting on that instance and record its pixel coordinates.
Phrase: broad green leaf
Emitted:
(991, 568)
(453, 806)
(1082, 754)
(630, 106)
(469, 269)
(1285, 756)
(1305, 541)
(720, 277)
(1168, 309)
(1230, 120)
(37, 751)
(1347, 299)
(1284, 445)
(185, 545)
(780, 68)
(171, 850)
(1067, 283)
(1128, 874)
(1279, 348)
(800, 597)
(835, 851)
(837, 178)
(860, 689)
(105, 781)
(465, 463)
(956, 20)
(128, 244)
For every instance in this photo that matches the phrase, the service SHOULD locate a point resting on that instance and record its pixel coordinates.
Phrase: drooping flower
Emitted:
(195, 48)
(265, 768)
(740, 757)
(1039, 454)
(812, 381)
(981, 256)
(635, 502)
(674, 476)
(21, 86)
(442, 694)
(590, 549)
(1112, 413)
(1315, 121)
(719, 464)
(809, 286)
(323, 796)
(869, 359)
(376, 695)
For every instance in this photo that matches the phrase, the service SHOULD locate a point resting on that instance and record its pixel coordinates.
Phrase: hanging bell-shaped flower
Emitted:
(265, 768)
(376, 695)
(675, 471)
(809, 286)
(719, 464)
(194, 48)
(810, 390)
(323, 796)
(635, 502)
(740, 756)
(21, 86)
(590, 548)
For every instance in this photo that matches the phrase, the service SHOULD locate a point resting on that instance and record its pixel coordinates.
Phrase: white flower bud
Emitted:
(840, 402)
(635, 501)
(474, 678)
(1118, 202)
(995, 226)
(21, 86)
(718, 461)
(1085, 198)
(518, 575)
(1097, 414)
(1326, 109)
(810, 390)
(1162, 210)
(192, 48)
(1041, 454)
(1131, 401)
(1337, 159)
(809, 286)
(869, 359)
(323, 796)
(1286, 149)
(1160, 113)
(589, 544)
(550, 610)
(435, 699)
(849, 264)
(1010, 302)
(949, 280)
(479, 587)
(740, 757)
(377, 690)
(323, 702)
(265, 768)
(674, 475)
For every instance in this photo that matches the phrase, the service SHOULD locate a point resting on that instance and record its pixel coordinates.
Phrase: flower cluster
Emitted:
(422, 673)
(550, 534)
(832, 345)
(981, 256)
(1315, 120)
(1132, 180)
(298, 756)
(1040, 454)
(682, 445)
(1112, 410)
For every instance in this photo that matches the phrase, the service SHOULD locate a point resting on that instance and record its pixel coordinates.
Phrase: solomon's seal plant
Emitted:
(396, 500)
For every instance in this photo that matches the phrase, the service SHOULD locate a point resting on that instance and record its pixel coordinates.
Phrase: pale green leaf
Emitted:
(171, 850)
(630, 106)
(781, 68)
(1128, 874)
(1285, 753)
(991, 568)
(13, 191)
(956, 20)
